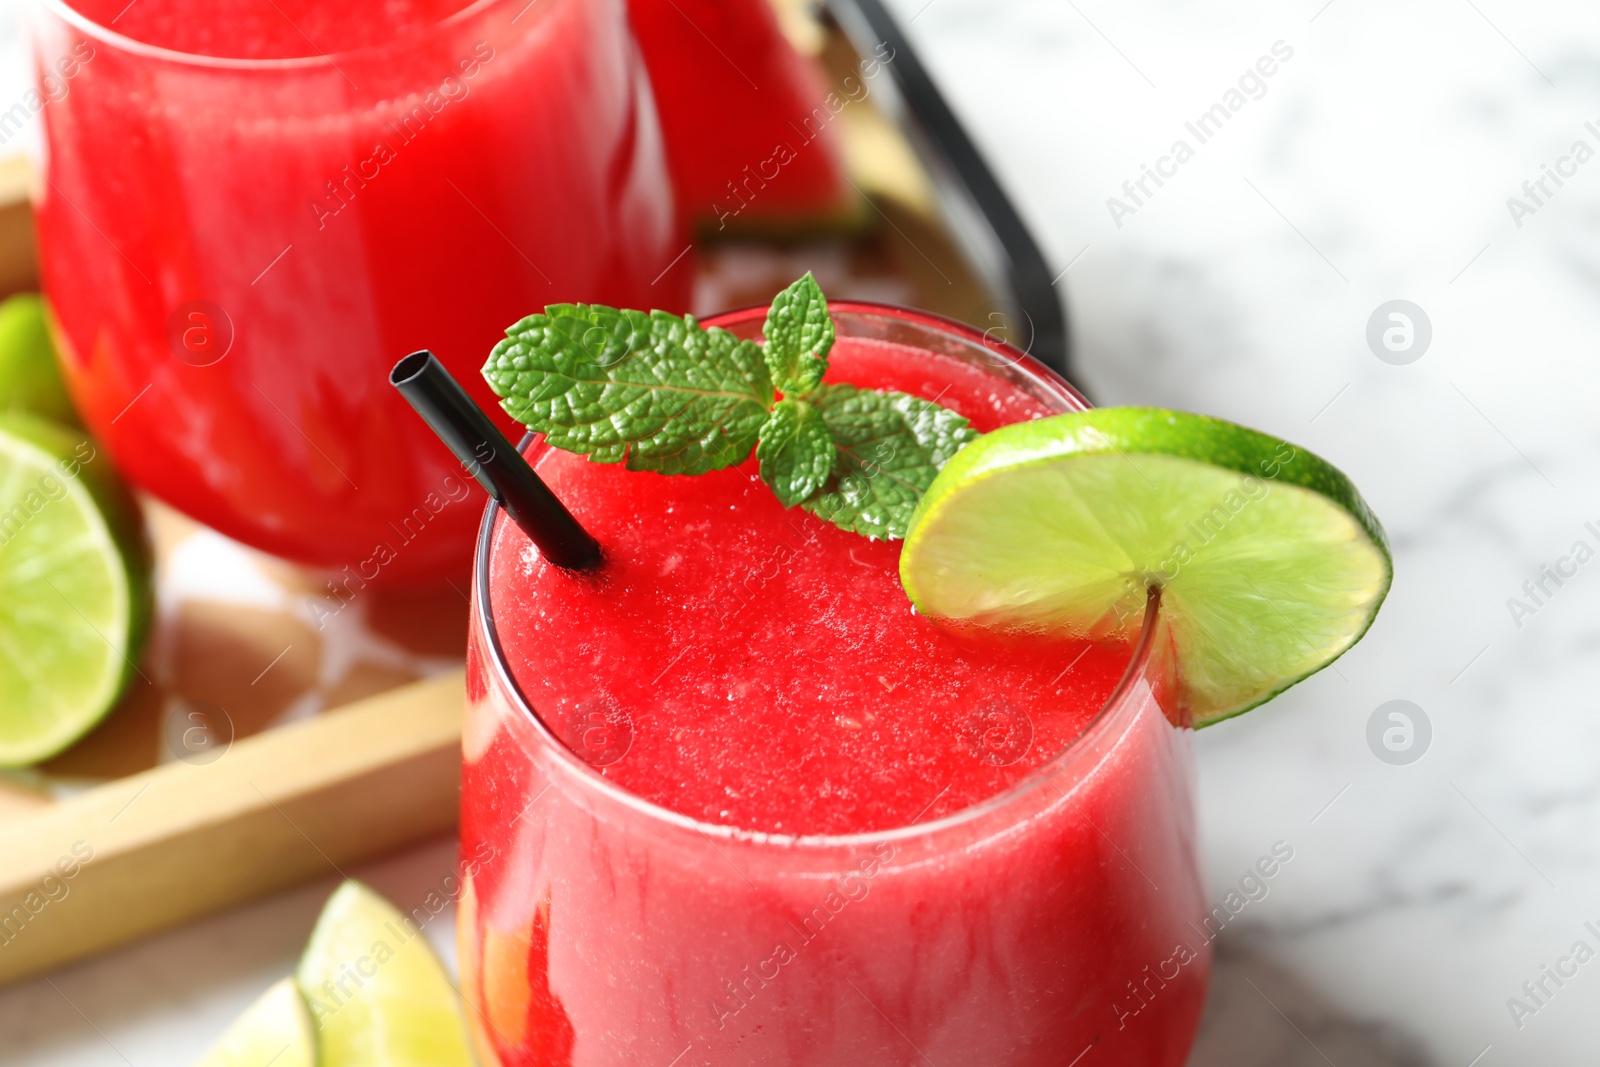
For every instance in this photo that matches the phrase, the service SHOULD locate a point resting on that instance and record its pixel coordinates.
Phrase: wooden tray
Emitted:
(257, 748)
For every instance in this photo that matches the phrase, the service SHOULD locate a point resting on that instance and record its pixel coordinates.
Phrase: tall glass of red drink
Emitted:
(730, 801)
(250, 208)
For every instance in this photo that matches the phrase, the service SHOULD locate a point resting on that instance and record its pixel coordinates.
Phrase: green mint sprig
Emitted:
(662, 393)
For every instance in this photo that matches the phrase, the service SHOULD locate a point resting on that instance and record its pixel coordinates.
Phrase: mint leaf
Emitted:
(799, 334)
(888, 448)
(661, 393)
(796, 451)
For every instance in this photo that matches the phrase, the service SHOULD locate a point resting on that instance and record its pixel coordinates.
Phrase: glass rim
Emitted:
(102, 34)
(494, 658)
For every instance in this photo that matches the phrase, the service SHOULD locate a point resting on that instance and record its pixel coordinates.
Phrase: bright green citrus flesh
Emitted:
(378, 993)
(74, 588)
(1270, 564)
(275, 1031)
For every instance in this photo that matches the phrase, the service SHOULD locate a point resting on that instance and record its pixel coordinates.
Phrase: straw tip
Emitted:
(411, 367)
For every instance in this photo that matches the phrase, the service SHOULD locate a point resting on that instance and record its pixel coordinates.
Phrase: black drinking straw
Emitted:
(484, 451)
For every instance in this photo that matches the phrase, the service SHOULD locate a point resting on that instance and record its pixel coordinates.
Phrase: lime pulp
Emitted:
(275, 1031)
(377, 992)
(74, 588)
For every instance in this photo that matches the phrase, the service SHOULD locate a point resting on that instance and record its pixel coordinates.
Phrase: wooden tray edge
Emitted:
(171, 844)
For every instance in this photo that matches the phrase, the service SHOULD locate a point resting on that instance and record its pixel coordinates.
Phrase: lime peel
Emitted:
(74, 588)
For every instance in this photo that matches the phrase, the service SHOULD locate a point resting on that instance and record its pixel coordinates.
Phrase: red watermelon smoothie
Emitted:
(251, 206)
(731, 801)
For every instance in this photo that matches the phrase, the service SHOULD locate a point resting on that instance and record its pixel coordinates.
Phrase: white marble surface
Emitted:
(1376, 166)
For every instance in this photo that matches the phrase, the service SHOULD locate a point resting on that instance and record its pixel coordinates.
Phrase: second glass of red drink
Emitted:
(248, 207)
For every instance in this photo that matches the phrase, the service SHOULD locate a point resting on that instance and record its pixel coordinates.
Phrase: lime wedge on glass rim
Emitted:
(275, 1031)
(74, 587)
(377, 992)
(1269, 563)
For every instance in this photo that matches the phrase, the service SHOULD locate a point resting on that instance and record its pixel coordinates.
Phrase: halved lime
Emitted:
(30, 379)
(275, 1031)
(1269, 562)
(378, 994)
(74, 587)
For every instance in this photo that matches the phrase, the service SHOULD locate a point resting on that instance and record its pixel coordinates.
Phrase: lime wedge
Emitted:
(1269, 562)
(30, 379)
(74, 587)
(275, 1031)
(378, 994)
